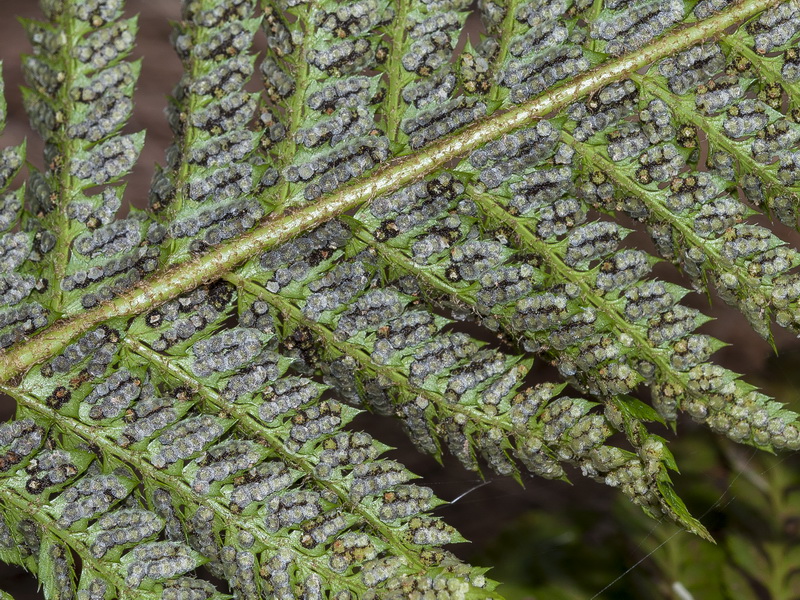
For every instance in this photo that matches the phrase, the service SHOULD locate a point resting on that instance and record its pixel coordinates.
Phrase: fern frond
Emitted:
(186, 377)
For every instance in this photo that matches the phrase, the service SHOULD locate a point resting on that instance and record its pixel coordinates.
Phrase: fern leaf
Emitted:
(186, 376)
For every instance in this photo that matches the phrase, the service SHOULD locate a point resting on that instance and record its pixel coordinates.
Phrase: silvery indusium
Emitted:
(185, 376)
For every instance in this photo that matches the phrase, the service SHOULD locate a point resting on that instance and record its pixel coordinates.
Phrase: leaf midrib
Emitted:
(397, 173)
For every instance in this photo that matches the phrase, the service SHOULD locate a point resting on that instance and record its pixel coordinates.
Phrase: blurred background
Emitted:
(547, 540)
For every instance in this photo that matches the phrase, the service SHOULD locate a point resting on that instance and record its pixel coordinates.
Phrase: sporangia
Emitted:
(364, 207)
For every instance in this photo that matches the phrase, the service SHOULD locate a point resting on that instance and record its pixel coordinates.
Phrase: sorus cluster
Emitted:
(184, 439)
(529, 77)
(746, 241)
(671, 324)
(745, 118)
(346, 123)
(426, 531)
(131, 268)
(222, 461)
(312, 422)
(226, 182)
(439, 354)
(474, 258)
(322, 528)
(200, 527)
(414, 205)
(503, 285)
(115, 77)
(252, 378)
(41, 76)
(791, 65)
(539, 188)
(285, 395)
(592, 241)
(279, 38)
(348, 92)
(278, 570)
(158, 561)
(104, 46)
(123, 527)
(224, 11)
(350, 19)
(21, 438)
(228, 114)
(293, 260)
(540, 311)
(718, 94)
(240, 571)
(14, 249)
(335, 288)
(118, 236)
(376, 476)
(435, 89)
(560, 217)
(219, 223)
(150, 414)
(622, 269)
(89, 497)
(20, 321)
(259, 483)
(163, 507)
(342, 58)
(789, 171)
(49, 468)
(475, 70)
(95, 590)
(687, 69)
(61, 572)
(775, 27)
(440, 238)
(659, 163)
(774, 139)
(537, 38)
(483, 367)
(408, 330)
(351, 548)
(691, 191)
(188, 588)
(97, 211)
(717, 216)
(370, 311)
(433, 123)
(291, 508)
(107, 161)
(610, 105)
(227, 350)
(113, 395)
(257, 316)
(230, 39)
(513, 153)
(277, 82)
(657, 121)
(104, 117)
(575, 328)
(742, 417)
(707, 8)
(647, 299)
(98, 12)
(189, 313)
(637, 24)
(345, 449)
(626, 141)
(404, 501)
(99, 344)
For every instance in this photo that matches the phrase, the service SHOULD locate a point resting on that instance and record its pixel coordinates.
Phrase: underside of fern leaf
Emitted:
(333, 212)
